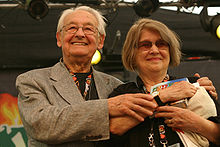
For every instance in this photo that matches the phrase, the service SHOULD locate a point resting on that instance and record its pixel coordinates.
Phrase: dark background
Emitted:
(26, 43)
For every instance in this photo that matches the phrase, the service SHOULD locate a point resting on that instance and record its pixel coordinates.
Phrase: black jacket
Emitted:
(138, 136)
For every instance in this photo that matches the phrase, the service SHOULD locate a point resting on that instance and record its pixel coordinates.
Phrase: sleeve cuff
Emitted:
(159, 102)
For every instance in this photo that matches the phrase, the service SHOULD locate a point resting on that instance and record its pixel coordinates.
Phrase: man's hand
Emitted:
(207, 84)
(128, 110)
(137, 106)
(120, 125)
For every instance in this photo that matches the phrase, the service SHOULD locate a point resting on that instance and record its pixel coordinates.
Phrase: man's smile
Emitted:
(79, 43)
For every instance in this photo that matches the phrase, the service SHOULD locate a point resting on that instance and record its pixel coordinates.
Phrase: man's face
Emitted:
(79, 45)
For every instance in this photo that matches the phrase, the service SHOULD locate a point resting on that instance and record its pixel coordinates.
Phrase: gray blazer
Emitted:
(54, 112)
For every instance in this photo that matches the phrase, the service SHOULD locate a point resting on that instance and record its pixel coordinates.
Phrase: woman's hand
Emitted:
(179, 118)
(187, 120)
(177, 91)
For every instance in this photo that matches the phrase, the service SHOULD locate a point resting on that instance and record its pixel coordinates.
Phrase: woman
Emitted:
(149, 49)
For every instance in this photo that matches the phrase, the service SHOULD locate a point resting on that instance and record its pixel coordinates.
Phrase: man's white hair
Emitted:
(96, 13)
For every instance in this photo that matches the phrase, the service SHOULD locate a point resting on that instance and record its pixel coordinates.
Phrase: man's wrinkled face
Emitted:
(79, 36)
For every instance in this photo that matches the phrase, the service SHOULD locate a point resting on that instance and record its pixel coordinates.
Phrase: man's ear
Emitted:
(59, 41)
(101, 41)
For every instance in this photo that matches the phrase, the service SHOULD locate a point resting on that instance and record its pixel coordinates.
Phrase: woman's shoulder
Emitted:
(130, 87)
(191, 79)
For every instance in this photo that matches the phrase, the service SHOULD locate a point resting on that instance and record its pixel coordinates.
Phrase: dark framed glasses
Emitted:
(160, 44)
(87, 29)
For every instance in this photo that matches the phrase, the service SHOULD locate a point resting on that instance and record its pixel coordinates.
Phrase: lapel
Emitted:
(102, 83)
(64, 84)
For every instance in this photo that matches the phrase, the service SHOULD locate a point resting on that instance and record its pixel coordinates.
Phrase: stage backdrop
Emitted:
(12, 133)
(26, 43)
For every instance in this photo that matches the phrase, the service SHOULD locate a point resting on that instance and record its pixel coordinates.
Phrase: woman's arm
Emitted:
(177, 91)
(189, 121)
(121, 124)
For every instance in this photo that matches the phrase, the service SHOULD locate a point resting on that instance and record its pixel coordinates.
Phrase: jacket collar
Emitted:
(66, 87)
(64, 84)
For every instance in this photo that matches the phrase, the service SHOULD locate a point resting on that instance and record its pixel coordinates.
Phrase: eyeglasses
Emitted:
(161, 44)
(72, 29)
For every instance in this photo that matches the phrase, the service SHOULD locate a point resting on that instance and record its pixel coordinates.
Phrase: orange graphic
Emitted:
(9, 110)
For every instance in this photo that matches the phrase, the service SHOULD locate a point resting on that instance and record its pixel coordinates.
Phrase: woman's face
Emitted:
(152, 54)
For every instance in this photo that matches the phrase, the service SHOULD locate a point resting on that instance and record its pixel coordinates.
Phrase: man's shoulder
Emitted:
(106, 76)
(37, 73)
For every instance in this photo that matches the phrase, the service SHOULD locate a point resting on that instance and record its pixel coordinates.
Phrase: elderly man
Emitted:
(66, 104)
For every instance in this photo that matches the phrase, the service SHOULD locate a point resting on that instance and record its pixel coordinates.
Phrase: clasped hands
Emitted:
(128, 110)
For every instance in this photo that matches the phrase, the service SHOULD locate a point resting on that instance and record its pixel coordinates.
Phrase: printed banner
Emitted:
(12, 133)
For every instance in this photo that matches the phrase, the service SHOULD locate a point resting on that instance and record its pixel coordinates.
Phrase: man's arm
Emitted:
(132, 105)
(49, 118)
(208, 85)
(128, 110)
